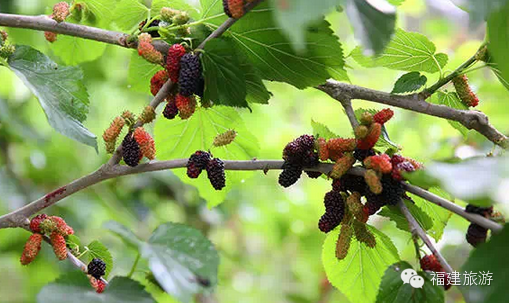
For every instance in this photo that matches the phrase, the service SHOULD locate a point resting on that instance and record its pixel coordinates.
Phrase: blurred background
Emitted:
(267, 236)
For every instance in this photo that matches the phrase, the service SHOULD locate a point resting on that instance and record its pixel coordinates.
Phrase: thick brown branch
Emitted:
(415, 102)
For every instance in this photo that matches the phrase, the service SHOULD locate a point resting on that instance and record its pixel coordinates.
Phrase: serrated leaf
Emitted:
(393, 290)
(395, 215)
(439, 215)
(498, 33)
(124, 233)
(407, 51)
(373, 23)
(181, 138)
(178, 255)
(293, 17)
(359, 274)
(256, 90)
(322, 131)
(140, 72)
(409, 82)
(225, 82)
(75, 285)
(74, 50)
(268, 50)
(59, 89)
(129, 13)
(489, 258)
(451, 100)
(98, 250)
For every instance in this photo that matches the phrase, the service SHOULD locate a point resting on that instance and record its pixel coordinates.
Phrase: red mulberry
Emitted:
(233, 8)
(185, 105)
(370, 140)
(189, 75)
(58, 243)
(313, 174)
(383, 116)
(145, 142)
(430, 263)
(215, 173)
(50, 36)
(401, 167)
(380, 163)
(60, 11)
(32, 248)
(467, 96)
(36, 221)
(363, 234)
(175, 53)
(131, 152)
(158, 81)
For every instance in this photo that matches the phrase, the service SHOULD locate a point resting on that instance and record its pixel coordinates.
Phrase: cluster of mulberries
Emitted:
(202, 160)
(41, 225)
(298, 154)
(430, 263)
(234, 8)
(465, 93)
(136, 145)
(95, 270)
(477, 234)
(6, 49)
(60, 13)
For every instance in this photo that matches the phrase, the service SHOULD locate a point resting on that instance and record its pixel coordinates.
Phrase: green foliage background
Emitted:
(266, 236)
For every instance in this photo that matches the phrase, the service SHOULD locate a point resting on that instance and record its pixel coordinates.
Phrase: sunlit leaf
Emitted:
(409, 82)
(129, 13)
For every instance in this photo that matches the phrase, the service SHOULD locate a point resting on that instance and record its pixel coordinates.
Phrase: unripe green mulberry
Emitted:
(343, 242)
(465, 93)
(225, 138)
(342, 165)
(148, 115)
(363, 234)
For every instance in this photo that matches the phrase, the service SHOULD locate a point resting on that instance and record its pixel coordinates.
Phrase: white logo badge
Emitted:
(410, 276)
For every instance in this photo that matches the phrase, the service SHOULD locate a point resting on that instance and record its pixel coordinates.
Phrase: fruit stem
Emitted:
(135, 264)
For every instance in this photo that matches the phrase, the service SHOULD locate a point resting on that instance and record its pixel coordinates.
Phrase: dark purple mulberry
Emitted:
(328, 222)
(483, 211)
(476, 234)
(131, 152)
(361, 154)
(96, 268)
(170, 110)
(197, 162)
(313, 174)
(189, 75)
(290, 174)
(353, 183)
(215, 173)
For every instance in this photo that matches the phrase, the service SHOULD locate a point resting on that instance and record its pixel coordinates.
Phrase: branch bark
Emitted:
(416, 102)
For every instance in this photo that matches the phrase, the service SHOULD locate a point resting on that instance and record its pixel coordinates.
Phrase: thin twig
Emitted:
(416, 229)
(350, 113)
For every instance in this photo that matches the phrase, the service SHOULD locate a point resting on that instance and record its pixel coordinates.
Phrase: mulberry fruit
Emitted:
(32, 248)
(355, 206)
(372, 205)
(3, 36)
(225, 138)
(373, 181)
(476, 234)
(328, 222)
(58, 243)
(340, 145)
(313, 174)
(361, 154)
(147, 115)
(383, 116)
(215, 173)
(175, 53)
(145, 142)
(372, 137)
(96, 268)
(361, 131)
(392, 190)
(310, 159)
(50, 36)
(111, 134)
(60, 226)
(333, 202)
(404, 166)
(147, 50)
(323, 151)
(366, 118)
(170, 110)
(430, 263)
(131, 152)
(363, 234)
(97, 284)
(483, 211)
(36, 222)
(189, 75)
(185, 105)
(290, 174)
(343, 242)
(397, 159)
(381, 163)
(342, 165)
(233, 8)
(197, 162)
(60, 11)
(158, 81)
(168, 13)
(300, 151)
(465, 93)
(354, 184)
(154, 23)
(336, 185)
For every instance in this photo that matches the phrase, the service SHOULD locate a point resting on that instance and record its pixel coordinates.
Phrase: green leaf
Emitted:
(490, 257)
(124, 233)
(74, 50)
(359, 274)
(373, 23)
(409, 82)
(59, 89)
(98, 250)
(394, 214)
(74, 286)
(393, 290)
(225, 82)
(256, 90)
(73, 240)
(101, 10)
(183, 5)
(180, 138)
(439, 215)
(396, 2)
(179, 256)
(293, 17)
(482, 10)
(271, 53)
(129, 13)
(498, 33)
(452, 100)
(322, 131)
(140, 72)
(407, 51)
